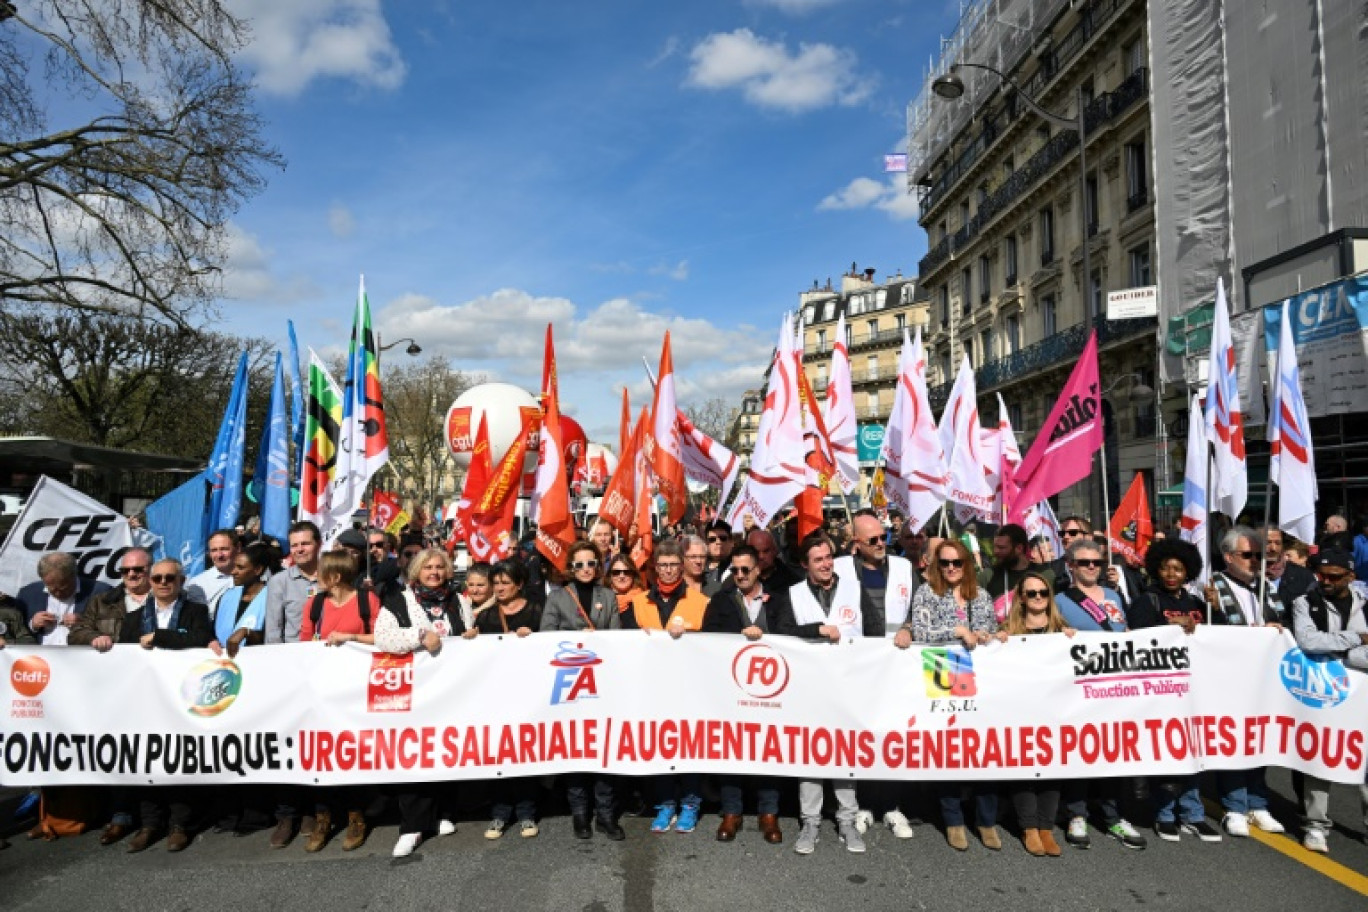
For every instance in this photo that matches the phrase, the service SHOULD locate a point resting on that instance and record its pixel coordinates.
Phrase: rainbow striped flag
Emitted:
(322, 428)
(363, 445)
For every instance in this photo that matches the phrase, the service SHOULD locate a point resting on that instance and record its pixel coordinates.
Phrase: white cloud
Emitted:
(890, 196)
(679, 271)
(297, 41)
(667, 50)
(248, 276)
(771, 76)
(340, 221)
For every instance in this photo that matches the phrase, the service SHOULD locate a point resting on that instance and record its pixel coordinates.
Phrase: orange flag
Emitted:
(664, 447)
(551, 496)
(476, 480)
(1131, 528)
(491, 532)
(821, 461)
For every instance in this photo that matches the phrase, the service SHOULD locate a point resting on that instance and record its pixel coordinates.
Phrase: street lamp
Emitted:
(951, 87)
(413, 347)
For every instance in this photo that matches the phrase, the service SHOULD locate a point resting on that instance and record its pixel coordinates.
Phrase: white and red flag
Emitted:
(961, 437)
(914, 472)
(1223, 419)
(778, 468)
(550, 506)
(1062, 451)
(1292, 461)
(666, 456)
(1001, 459)
(705, 460)
(1192, 525)
(838, 410)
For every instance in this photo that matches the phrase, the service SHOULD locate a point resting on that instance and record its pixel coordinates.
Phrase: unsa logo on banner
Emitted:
(1316, 681)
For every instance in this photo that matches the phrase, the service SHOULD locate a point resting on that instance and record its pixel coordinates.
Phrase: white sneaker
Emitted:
(1314, 841)
(406, 844)
(898, 823)
(528, 829)
(1266, 822)
(1235, 824)
(863, 821)
(445, 828)
(496, 828)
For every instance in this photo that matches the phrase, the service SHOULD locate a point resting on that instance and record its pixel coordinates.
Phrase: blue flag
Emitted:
(296, 403)
(177, 520)
(226, 462)
(272, 481)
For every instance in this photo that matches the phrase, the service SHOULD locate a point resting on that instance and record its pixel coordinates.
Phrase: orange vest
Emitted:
(690, 608)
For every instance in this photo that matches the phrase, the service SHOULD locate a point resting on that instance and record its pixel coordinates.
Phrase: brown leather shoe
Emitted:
(306, 825)
(1030, 838)
(282, 834)
(142, 839)
(356, 831)
(726, 830)
(113, 832)
(990, 838)
(178, 841)
(319, 837)
(41, 832)
(1047, 841)
(769, 828)
(958, 837)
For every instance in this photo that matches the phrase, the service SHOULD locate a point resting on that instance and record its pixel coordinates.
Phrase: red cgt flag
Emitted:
(551, 498)
(1131, 528)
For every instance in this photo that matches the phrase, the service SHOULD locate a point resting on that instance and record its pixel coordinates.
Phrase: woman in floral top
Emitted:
(951, 609)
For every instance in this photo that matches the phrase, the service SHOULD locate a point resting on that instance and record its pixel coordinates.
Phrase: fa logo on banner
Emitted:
(949, 675)
(574, 674)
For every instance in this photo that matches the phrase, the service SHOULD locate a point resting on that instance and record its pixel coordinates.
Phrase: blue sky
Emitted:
(615, 168)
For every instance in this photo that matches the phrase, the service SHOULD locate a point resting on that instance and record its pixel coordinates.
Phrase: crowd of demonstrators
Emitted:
(859, 578)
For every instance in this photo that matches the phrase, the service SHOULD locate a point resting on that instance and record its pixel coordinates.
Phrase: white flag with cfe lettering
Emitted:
(59, 518)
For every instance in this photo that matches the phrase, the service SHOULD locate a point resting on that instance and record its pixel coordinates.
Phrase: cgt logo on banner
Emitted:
(761, 672)
(390, 687)
(1316, 681)
(948, 672)
(574, 678)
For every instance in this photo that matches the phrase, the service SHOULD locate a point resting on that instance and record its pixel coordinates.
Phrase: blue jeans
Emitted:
(985, 803)
(686, 787)
(1180, 795)
(1242, 791)
(733, 794)
(514, 796)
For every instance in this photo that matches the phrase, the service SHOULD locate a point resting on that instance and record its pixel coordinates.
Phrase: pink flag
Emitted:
(1224, 422)
(839, 411)
(1062, 452)
(914, 470)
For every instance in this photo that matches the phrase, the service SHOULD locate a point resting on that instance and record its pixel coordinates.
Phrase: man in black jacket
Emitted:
(742, 606)
(167, 621)
(1288, 580)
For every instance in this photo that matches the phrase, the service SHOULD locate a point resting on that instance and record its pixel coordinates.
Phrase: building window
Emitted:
(1048, 316)
(1140, 274)
(1047, 238)
(880, 297)
(964, 214)
(1013, 342)
(1014, 414)
(1008, 166)
(873, 326)
(827, 309)
(1133, 56)
(945, 304)
(982, 194)
(901, 322)
(809, 313)
(945, 366)
(1137, 175)
(872, 403)
(985, 279)
(821, 341)
(855, 305)
(1094, 215)
(1095, 289)
(985, 346)
(847, 337)
(872, 367)
(966, 290)
(1089, 91)
(1009, 259)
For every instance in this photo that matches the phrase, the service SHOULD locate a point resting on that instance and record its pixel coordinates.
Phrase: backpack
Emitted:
(363, 608)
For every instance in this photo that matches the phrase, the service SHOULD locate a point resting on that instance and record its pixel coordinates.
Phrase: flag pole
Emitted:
(1207, 532)
(1106, 500)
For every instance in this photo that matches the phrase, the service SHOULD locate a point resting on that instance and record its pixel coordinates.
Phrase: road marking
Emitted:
(1290, 847)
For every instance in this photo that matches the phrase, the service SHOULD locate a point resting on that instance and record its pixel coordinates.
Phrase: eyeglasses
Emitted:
(626, 573)
(1331, 577)
(161, 579)
(951, 563)
(874, 540)
(1069, 533)
(742, 571)
(377, 546)
(668, 566)
(130, 571)
(1090, 562)
(584, 565)
(1035, 593)
(1249, 555)
(718, 539)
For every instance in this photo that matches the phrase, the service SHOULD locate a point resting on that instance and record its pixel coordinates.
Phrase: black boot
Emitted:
(609, 827)
(582, 828)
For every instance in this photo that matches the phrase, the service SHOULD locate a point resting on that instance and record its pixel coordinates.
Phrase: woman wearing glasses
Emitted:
(624, 579)
(952, 609)
(1034, 611)
(583, 606)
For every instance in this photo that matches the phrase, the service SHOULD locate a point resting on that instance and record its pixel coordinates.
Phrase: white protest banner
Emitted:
(1153, 702)
(59, 518)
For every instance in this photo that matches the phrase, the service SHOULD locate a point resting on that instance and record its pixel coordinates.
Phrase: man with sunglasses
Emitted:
(719, 539)
(741, 606)
(1285, 579)
(775, 575)
(99, 624)
(1236, 598)
(1330, 621)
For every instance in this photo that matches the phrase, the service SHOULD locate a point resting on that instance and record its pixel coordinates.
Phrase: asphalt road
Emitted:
(687, 872)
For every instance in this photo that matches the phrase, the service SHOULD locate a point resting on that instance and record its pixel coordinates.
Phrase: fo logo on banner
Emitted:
(948, 673)
(1316, 681)
(574, 678)
(760, 671)
(391, 683)
(211, 687)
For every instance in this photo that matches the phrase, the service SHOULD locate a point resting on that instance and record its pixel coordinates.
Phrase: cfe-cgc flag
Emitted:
(1062, 452)
(1292, 461)
(59, 518)
(1131, 528)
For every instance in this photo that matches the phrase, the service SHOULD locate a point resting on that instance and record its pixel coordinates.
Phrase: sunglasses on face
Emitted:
(626, 573)
(1035, 593)
(1069, 533)
(874, 540)
(952, 563)
(1090, 562)
(162, 579)
(1249, 555)
(377, 545)
(584, 565)
(717, 539)
(1331, 577)
(131, 571)
(742, 571)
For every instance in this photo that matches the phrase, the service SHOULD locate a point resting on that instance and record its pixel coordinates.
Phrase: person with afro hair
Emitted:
(1171, 565)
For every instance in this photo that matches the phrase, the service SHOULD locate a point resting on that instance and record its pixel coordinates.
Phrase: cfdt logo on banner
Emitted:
(761, 672)
(574, 677)
(29, 676)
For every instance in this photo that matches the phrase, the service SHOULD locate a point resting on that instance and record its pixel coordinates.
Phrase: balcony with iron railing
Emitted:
(1063, 145)
(1092, 17)
(1137, 200)
(880, 337)
(818, 348)
(864, 377)
(873, 413)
